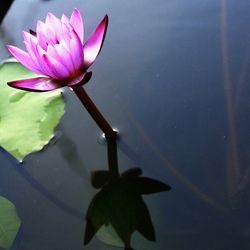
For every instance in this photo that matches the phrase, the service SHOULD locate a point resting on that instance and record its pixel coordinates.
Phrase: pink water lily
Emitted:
(57, 53)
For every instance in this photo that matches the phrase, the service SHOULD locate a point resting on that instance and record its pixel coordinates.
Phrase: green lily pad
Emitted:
(27, 119)
(9, 223)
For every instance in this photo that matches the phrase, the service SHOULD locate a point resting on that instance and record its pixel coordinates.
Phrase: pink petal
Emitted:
(37, 84)
(28, 36)
(41, 33)
(56, 26)
(65, 57)
(65, 20)
(36, 52)
(50, 71)
(23, 57)
(43, 66)
(94, 44)
(66, 34)
(30, 43)
(59, 71)
(77, 23)
(36, 69)
(76, 51)
(80, 80)
(46, 34)
(53, 52)
(53, 22)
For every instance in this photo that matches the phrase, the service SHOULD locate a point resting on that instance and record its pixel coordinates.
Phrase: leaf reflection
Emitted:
(119, 203)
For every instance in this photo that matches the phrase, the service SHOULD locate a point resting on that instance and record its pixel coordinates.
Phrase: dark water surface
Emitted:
(173, 78)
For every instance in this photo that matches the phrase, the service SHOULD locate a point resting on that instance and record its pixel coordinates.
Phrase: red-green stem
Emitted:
(94, 112)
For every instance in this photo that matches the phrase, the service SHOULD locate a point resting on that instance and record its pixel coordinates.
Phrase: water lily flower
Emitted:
(57, 52)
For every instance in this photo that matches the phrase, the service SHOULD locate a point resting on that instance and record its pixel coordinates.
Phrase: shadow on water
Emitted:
(119, 202)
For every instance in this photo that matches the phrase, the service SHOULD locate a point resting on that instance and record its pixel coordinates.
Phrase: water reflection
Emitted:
(119, 202)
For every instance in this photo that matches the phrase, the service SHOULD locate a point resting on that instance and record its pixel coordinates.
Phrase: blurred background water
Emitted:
(173, 78)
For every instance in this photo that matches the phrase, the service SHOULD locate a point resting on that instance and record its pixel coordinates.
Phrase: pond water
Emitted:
(173, 78)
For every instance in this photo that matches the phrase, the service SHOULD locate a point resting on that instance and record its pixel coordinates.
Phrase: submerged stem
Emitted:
(94, 112)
